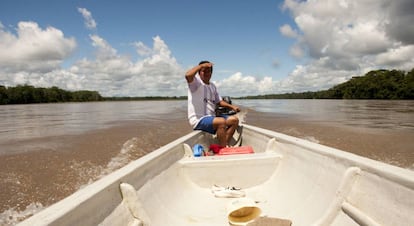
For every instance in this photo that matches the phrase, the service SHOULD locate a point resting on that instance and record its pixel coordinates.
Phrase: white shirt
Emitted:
(202, 100)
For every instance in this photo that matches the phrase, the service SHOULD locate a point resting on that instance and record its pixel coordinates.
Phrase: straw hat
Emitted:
(242, 211)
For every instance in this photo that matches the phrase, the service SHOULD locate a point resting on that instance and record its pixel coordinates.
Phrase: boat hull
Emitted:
(288, 178)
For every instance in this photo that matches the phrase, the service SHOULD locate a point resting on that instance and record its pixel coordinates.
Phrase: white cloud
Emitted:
(34, 57)
(87, 16)
(104, 50)
(314, 77)
(297, 51)
(287, 31)
(112, 74)
(142, 49)
(239, 85)
(347, 38)
(33, 49)
(397, 55)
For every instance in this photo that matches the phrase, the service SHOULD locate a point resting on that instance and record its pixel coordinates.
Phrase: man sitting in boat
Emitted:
(202, 101)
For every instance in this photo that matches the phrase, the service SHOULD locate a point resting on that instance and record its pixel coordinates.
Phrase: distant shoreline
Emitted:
(379, 84)
(114, 99)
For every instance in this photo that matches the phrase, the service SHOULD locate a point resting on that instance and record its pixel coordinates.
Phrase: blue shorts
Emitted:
(206, 124)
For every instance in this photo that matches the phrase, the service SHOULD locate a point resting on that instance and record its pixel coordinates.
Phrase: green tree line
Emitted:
(26, 94)
(378, 84)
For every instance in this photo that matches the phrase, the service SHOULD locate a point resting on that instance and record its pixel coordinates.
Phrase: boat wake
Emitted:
(242, 116)
(85, 172)
(13, 216)
(311, 139)
(120, 160)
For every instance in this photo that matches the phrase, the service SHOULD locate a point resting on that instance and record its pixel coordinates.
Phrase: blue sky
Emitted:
(140, 48)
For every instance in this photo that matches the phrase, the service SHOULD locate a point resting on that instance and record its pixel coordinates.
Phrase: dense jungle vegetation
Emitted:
(379, 84)
(25, 94)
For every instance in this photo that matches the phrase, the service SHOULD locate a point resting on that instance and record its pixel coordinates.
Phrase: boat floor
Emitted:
(305, 188)
(182, 195)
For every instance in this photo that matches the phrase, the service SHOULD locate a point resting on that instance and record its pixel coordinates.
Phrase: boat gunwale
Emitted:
(394, 173)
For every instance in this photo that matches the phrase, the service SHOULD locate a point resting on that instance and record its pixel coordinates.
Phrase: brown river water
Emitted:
(48, 151)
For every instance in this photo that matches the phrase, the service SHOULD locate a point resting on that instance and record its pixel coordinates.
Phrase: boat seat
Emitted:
(242, 172)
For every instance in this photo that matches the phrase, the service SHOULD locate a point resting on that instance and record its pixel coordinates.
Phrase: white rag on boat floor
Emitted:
(227, 192)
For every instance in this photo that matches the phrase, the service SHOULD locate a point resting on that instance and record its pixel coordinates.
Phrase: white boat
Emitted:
(287, 177)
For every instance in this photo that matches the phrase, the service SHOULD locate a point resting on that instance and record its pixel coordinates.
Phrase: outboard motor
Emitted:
(223, 110)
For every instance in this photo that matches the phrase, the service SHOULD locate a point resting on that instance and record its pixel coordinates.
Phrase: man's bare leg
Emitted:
(232, 122)
(219, 124)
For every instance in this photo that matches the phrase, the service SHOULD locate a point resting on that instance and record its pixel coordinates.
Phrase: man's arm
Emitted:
(227, 105)
(190, 74)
